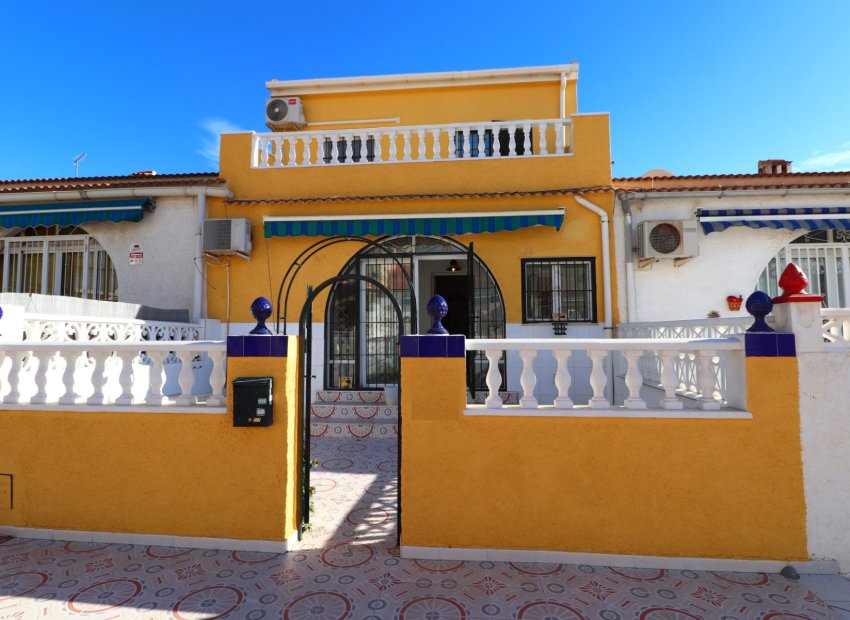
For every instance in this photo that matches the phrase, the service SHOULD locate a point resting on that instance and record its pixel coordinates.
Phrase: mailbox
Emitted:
(252, 401)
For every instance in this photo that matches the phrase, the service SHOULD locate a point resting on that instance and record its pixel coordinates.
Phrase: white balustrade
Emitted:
(466, 141)
(836, 327)
(50, 328)
(704, 356)
(122, 374)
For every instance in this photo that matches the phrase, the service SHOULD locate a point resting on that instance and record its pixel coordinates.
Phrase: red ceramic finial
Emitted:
(793, 283)
(793, 280)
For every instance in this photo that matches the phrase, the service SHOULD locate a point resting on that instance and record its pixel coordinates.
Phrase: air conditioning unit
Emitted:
(227, 236)
(284, 113)
(667, 239)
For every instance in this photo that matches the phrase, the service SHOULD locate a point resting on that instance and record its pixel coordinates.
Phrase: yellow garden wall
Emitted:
(174, 474)
(690, 488)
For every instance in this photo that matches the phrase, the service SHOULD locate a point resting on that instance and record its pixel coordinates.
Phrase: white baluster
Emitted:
(511, 140)
(497, 144)
(405, 136)
(278, 152)
(526, 138)
(482, 141)
(393, 146)
(14, 396)
(420, 133)
(98, 378)
(43, 358)
(306, 155)
(435, 133)
(334, 149)
(559, 138)
(598, 380)
(706, 381)
(69, 376)
(494, 379)
(541, 131)
(125, 379)
(364, 148)
(186, 379)
(528, 379)
(467, 139)
(633, 381)
(563, 379)
(378, 146)
(255, 153)
(218, 378)
(155, 395)
(264, 152)
(669, 380)
(293, 159)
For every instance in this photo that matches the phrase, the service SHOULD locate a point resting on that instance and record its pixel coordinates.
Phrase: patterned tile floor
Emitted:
(348, 567)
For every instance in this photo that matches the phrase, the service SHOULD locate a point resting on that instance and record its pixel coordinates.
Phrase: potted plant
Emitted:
(734, 302)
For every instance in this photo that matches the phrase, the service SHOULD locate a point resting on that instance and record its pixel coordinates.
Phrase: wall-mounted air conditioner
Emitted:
(227, 236)
(667, 239)
(284, 113)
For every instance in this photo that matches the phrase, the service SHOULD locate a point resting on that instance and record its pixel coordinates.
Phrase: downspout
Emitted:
(606, 258)
(563, 96)
(200, 263)
(631, 305)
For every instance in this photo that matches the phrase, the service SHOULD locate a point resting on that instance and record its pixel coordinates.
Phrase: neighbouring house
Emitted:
(689, 242)
(74, 246)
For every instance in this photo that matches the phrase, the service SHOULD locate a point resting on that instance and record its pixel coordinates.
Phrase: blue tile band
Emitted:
(769, 345)
(432, 346)
(257, 346)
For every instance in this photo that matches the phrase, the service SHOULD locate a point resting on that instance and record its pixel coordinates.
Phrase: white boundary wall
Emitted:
(825, 437)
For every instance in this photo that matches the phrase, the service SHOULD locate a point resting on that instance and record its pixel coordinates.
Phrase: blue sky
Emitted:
(692, 87)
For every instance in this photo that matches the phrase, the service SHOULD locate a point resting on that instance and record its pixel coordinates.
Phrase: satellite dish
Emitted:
(657, 172)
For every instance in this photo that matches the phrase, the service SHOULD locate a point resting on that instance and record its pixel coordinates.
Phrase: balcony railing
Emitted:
(705, 357)
(114, 373)
(459, 141)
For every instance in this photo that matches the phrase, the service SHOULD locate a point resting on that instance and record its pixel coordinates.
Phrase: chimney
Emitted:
(774, 166)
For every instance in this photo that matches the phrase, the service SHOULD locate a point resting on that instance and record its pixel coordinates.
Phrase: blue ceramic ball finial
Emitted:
(759, 305)
(261, 309)
(437, 309)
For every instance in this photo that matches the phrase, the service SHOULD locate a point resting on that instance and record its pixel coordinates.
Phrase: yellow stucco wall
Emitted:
(692, 488)
(157, 473)
(501, 252)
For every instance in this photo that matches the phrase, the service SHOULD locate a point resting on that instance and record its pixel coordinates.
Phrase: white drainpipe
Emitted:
(606, 259)
(563, 102)
(200, 264)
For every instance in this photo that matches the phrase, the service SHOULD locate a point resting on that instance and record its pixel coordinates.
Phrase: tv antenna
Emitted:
(77, 161)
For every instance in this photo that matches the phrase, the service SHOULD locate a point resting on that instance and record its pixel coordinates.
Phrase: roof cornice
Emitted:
(404, 81)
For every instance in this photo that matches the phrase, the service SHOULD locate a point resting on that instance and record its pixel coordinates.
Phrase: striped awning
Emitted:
(73, 213)
(410, 224)
(802, 218)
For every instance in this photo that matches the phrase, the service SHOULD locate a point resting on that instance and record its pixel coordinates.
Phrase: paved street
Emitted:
(348, 567)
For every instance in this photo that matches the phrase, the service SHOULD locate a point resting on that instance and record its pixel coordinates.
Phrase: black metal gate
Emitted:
(305, 328)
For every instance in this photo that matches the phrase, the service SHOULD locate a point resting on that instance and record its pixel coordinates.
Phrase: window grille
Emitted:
(57, 261)
(558, 289)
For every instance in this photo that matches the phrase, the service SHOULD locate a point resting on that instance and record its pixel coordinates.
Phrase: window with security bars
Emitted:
(344, 149)
(57, 261)
(558, 289)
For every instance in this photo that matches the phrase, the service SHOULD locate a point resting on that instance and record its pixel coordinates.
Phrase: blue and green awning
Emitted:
(73, 213)
(800, 218)
(410, 224)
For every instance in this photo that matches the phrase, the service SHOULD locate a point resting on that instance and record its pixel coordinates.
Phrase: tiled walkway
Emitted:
(348, 568)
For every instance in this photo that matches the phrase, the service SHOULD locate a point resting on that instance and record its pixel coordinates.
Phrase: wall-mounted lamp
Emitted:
(452, 266)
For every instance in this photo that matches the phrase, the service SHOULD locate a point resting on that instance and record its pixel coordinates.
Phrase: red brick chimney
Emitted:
(774, 166)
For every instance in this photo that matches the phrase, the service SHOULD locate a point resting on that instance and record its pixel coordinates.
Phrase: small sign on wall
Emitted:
(137, 254)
